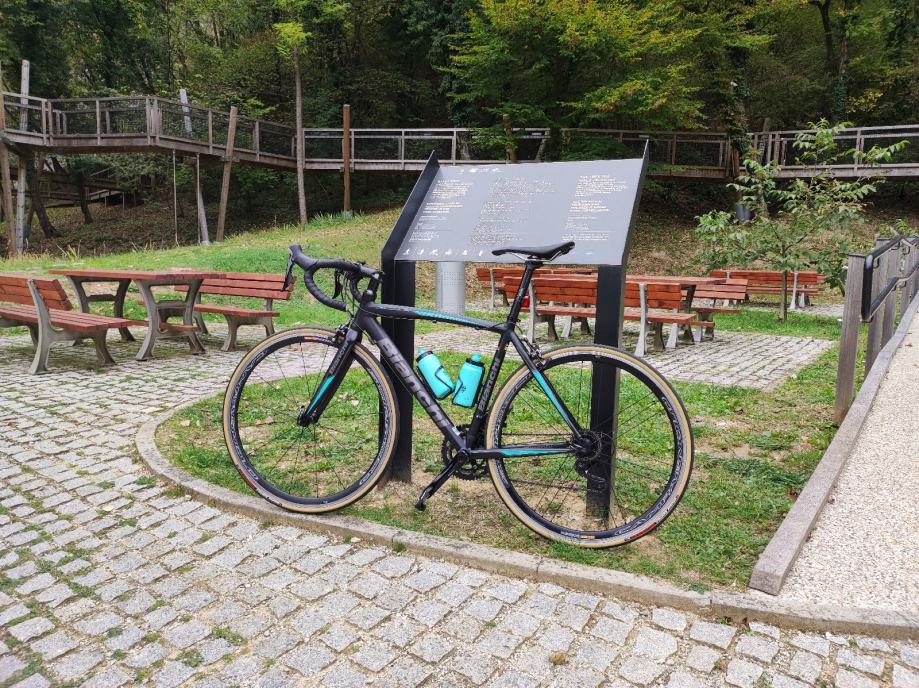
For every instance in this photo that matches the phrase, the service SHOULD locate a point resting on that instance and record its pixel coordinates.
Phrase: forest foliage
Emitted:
(626, 63)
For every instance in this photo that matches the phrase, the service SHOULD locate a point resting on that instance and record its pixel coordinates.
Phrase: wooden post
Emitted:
(199, 199)
(298, 126)
(21, 180)
(346, 157)
(509, 132)
(227, 166)
(848, 341)
(6, 180)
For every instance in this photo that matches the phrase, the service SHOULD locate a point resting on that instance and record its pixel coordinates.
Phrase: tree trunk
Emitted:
(824, 9)
(37, 203)
(298, 128)
(84, 205)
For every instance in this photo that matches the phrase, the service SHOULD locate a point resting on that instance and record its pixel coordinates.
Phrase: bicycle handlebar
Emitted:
(354, 271)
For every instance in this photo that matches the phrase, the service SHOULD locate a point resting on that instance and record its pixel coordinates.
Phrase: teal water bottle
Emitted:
(434, 374)
(467, 384)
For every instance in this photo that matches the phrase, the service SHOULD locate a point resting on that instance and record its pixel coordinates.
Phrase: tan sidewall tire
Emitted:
(365, 356)
(630, 360)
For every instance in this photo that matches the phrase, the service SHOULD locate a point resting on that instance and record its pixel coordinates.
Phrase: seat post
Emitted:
(529, 267)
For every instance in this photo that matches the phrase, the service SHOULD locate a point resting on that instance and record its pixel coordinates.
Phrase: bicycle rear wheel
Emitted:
(580, 496)
(329, 464)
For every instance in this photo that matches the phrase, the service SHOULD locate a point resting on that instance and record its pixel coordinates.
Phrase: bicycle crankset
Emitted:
(471, 469)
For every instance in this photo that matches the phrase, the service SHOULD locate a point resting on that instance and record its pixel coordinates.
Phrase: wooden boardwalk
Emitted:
(148, 124)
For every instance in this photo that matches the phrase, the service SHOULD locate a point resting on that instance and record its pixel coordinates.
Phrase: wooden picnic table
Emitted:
(158, 327)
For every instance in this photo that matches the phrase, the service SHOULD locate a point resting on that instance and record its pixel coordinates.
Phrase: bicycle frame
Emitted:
(365, 320)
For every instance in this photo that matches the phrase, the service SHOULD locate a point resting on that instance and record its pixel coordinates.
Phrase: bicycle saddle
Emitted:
(537, 252)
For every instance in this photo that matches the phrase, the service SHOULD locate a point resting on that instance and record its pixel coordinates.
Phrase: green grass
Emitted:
(754, 451)
(767, 322)
(358, 238)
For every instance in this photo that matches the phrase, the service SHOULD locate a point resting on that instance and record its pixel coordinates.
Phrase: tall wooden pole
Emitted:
(7, 182)
(204, 236)
(298, 99)
(227, 167)
(21, 176)
(346, 157)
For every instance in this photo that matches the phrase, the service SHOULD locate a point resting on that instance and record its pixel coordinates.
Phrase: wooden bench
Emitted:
(576, 296)
(493, 276)
(269, 287)
(802, 285)
(730, 292)
(42, 306)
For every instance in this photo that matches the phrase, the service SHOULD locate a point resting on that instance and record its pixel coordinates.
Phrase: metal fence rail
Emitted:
(879, 287)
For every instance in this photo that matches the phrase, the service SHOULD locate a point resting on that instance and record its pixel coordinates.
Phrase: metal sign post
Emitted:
(462, 213)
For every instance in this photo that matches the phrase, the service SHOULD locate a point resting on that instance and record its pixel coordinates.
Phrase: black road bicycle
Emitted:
(310, 418)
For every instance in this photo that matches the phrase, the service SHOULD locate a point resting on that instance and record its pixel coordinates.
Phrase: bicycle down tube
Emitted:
(365, 321)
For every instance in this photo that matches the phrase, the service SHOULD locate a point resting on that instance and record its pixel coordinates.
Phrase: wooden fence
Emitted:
(879, 287)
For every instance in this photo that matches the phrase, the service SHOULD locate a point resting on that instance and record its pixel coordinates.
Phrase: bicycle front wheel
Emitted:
(620, 481)
(329, 464)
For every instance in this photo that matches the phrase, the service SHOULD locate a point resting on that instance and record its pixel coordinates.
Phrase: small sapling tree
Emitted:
(804, 223)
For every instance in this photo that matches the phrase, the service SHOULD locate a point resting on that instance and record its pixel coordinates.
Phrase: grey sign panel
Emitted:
(470, 210)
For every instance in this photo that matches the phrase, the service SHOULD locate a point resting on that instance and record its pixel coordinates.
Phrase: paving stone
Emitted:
(655, 644)
(172, 674)
(432, 647)
(76, 665)
(904, 678)
(702, 658)
(668, 618)
(111, 677)
(715, 634)
(30, 628)
(812, 643)
(864, 663)
(742, 673)
(309, 661)
(185, 634)
(805, 666)
(54, 645)
(759, 648)
(10, 666)
(850, 679)
(640, 670)
(373, 656)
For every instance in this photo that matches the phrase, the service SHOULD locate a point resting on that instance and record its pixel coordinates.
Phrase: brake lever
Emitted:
(339, 287)
(288, 274)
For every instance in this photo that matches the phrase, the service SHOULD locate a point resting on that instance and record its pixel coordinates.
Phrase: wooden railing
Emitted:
(196, 129)
(778, 147)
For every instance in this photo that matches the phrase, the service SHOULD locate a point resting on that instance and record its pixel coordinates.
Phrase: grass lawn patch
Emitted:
(754, 452)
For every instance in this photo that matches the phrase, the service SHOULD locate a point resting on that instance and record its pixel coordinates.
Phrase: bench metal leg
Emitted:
(153, 322)
(232, 326)
(550, 320)
(42, 349)
(199, 321)
(674, 334)
(118, 309)
(102, 352)
(659, 336)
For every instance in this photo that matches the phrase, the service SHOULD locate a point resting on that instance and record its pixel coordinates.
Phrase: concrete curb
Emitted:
(775, 563)
(619, 584)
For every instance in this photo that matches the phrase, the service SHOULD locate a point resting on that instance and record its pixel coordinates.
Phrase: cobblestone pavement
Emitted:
(110, 579)
(864, 549)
